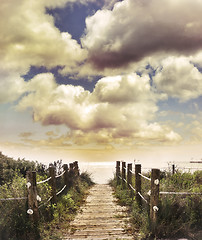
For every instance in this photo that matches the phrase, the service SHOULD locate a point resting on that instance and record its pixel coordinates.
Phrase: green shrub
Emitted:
(86, 177)
(14, 222)
(179, 215)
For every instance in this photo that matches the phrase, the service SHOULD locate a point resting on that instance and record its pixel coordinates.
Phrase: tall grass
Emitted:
(179, 216)
(14, 220)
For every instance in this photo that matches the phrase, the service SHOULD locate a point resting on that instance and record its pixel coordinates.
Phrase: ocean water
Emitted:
(102, 172)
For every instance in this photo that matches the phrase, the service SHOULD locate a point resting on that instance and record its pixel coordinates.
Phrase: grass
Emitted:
(179, 216)
(66, 209)
(14, 220)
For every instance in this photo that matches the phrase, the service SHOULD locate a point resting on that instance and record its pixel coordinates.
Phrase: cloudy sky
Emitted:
(101, 80)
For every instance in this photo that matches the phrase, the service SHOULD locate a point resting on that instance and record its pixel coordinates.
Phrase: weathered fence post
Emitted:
(71, 175)
(129, 175)
(154, 199)
(32, 196)
(33, 210)
(76, 168)
(76, 171)
(118, 171)
(129, 178)
(138, 184)
(173, 169)
(65, 168)
(123, 175)
(53, 184)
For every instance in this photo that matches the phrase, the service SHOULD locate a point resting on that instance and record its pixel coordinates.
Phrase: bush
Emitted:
(179, 215)
(14, 222)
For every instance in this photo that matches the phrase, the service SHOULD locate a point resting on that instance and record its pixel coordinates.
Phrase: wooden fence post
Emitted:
(173, 169)
(32, 196)
(123, 175)
(32, 210)
(118, 172)
(154, 199)
(65, 168)
(129, 178)
(53, 184)
(138, 184)
(76, 168)
(71, 175)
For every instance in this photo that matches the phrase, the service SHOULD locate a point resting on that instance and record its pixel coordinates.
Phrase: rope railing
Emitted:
(132, 187)
(132, 172)
(60, 175)
(12, 199)
(70, 176)
(179, 193)
(43, 204)
(44, 181)
(61, 190)
(153, 193)
(149, 179)
(142, 197)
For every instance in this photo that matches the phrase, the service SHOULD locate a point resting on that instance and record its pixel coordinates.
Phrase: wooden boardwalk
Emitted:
(100, 217)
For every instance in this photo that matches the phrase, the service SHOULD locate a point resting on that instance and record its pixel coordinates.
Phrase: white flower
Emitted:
(38, 198)
(149, 193)
(156, 182)
(29, 184)
(30, 211)
(155, 208)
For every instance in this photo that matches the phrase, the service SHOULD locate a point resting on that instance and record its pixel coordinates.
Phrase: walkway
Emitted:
(100, 218)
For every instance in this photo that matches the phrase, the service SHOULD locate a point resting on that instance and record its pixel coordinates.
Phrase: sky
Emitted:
(101, 80)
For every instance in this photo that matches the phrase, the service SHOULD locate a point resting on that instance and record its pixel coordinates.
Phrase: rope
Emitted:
(60, 174)
(124, 180)
(61, 190)
(144, 177)
(131, 171)
(46, 180)
(45, 202)
(189, 168)
(180, 193)
(11, 199)
(142, 197)
(120, 177)
(132, 187)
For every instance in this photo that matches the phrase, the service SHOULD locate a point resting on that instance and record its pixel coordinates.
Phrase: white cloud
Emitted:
(118, 109)
(11, 87)
(179, 78)
(29, 37)
(136, 29)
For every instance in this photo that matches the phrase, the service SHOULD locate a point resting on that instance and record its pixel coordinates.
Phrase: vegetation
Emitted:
(65, 209)
(10, 168)
(179, 215)
(14, 220)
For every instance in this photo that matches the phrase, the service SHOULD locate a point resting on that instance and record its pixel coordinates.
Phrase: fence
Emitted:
(69, 174)
(124, 178)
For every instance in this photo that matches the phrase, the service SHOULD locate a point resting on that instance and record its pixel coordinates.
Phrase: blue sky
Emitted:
(106, 80)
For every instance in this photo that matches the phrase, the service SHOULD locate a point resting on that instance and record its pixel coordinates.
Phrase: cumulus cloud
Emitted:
(135, 29)
(179, 78)
(116, 111)
(12, 86)
(29, 37)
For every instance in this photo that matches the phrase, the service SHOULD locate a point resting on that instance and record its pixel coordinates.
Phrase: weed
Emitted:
(179, 216)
